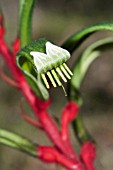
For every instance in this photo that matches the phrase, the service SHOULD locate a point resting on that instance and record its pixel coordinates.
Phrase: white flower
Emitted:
(51, 63)
(54, 57)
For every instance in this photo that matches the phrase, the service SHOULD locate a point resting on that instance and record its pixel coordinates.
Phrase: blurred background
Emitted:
(56, 20)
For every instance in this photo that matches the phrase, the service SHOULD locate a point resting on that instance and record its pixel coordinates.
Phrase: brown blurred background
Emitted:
(56, 20)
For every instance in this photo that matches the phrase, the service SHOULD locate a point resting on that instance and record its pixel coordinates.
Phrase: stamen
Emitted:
(58, 81)
(65, 72)
(67, 68)
(51, 78)
(61, 74)
(64, 90)
(56, 77)
(45, 80)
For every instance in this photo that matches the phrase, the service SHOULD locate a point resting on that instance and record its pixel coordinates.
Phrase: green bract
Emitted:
(41, 60)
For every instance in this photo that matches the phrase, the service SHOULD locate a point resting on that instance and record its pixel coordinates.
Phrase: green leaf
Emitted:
(26, 11)
(83, 63)
(81, 67)
(79, 71)
(26, 64)
(76, 39)
(17, 142)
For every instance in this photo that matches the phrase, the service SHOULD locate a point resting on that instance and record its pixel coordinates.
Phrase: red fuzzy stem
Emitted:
(69, 113)
(88, 155)
(9, 59)
(16, 46)
(39, 107)
(7, 55)
(51, 155)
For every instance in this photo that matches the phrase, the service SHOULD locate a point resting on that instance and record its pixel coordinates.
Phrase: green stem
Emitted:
(17, 142)
(80, 68)
(78, 125)
(26, 11)
(80, 131)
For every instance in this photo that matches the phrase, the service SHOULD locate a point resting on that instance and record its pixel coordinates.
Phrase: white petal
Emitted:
(54, 51)
(39, 59)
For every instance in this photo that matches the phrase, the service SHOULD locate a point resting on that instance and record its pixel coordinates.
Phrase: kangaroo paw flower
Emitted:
(69, 113)
(52, 64)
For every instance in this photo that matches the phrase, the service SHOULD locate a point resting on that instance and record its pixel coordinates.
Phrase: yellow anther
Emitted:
(67, 68)
(51, 78)
(65, 72)
(56, 77)
(61, 74)
(45, 80)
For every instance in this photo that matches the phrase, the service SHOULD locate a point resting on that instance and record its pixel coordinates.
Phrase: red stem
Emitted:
(48, 124)
(10, 61)
(51, 155)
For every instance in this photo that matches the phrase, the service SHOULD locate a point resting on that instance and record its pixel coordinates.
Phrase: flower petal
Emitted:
(54, 51)
(40, 60)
